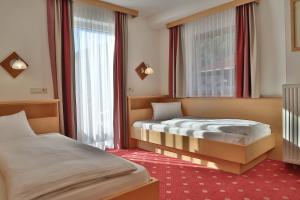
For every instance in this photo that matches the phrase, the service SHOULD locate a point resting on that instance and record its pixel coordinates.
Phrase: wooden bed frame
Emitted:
(43, 117)
(227, 157)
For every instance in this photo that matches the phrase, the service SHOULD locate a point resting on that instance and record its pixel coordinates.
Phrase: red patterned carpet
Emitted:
(181, 180)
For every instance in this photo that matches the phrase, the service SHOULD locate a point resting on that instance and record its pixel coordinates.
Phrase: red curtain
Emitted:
(60, 40)
(51, 41)
(243, 62)
(120, 134)
(174, 34)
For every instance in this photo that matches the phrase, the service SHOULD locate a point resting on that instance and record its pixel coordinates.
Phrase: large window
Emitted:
(209, 52)
(94, 49)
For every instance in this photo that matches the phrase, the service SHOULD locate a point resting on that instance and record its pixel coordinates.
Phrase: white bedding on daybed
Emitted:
(235, 131)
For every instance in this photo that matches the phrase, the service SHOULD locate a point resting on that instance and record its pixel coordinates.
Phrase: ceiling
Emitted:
(149, 8)
(160, 12)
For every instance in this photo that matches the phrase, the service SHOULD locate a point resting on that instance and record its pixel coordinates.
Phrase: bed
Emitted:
(122, 181)
(232, 153)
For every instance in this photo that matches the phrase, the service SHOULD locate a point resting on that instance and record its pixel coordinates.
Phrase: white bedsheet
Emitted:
(40, 167)
(235, 131)
(100, 190)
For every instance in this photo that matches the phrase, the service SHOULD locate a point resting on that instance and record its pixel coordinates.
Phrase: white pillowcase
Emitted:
(163, 111)
(15, 126)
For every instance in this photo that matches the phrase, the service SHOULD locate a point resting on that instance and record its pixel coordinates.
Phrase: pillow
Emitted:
(163, 111)
(15, 126)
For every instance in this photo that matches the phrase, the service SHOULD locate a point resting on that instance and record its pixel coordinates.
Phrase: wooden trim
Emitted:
(253, 163)
(195, 158)
(210, 11)
(28, 102)
(214, 149)
(148, 191)
(110, 6)
(43, 115)
(293, 28)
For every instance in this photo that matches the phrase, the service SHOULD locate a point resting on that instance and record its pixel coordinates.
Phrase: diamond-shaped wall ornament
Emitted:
(7, 64)
(140, 70)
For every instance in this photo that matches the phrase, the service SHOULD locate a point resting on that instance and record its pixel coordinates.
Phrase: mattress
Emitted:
(100, 190)
(234, 131)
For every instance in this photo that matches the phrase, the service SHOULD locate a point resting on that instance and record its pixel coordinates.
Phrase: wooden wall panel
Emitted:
(43, 115)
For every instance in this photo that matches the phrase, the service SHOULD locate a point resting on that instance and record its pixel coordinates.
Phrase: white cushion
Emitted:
(15, 126)
(163, 111)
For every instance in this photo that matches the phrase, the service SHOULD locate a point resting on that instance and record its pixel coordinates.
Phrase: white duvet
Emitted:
(44, 166)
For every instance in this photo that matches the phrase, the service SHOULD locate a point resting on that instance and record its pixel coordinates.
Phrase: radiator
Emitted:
(291, 124)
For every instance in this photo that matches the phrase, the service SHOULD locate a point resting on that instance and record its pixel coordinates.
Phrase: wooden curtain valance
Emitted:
(210, 11)
(114, 7)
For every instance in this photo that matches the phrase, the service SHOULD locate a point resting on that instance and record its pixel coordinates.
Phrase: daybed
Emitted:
(231, 157)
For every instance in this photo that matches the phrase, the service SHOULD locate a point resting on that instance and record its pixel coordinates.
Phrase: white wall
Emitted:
(176, 11)
(272, 46)
(26, 33)
(164, 60)
(271, 25)
(143, 45)
(23, 28)
(292, 58)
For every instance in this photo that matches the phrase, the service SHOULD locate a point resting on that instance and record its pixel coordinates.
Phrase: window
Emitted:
(94, 50)
(209, 52)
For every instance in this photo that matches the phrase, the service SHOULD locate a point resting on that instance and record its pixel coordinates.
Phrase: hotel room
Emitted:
(149, 99)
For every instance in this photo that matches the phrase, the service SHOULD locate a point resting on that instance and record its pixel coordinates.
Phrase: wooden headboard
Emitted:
(43, 115)
(266, 110)
(139, 108)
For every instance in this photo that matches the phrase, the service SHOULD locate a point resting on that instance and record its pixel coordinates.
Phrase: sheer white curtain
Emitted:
(209, 55)
(94, 51)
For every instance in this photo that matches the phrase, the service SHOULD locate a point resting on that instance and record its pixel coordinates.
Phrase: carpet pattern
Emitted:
(180, 180)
